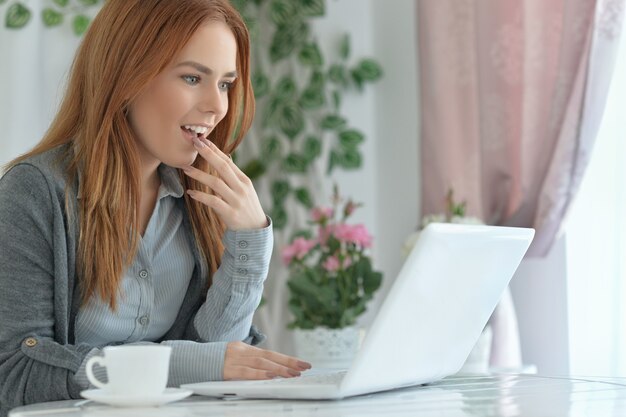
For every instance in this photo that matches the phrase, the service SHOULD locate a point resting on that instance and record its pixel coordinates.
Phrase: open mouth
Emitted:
(192, 131)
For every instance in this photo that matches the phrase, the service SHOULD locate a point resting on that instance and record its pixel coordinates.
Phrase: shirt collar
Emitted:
(170, 183)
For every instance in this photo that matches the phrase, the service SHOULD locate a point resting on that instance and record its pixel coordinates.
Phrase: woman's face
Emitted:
(189, 97)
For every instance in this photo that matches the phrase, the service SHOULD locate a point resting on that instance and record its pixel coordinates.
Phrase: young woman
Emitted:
(129, 223)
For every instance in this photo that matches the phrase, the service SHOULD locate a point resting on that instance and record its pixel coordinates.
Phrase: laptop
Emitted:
(427, 324)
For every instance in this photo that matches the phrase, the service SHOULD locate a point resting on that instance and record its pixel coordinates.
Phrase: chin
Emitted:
(179, 162)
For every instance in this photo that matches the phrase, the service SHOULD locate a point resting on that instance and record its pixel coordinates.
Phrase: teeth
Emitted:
(201, 130)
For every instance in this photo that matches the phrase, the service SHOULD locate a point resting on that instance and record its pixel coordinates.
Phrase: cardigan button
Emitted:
(30, 342)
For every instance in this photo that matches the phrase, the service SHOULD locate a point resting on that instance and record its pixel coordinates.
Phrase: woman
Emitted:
(129, 223)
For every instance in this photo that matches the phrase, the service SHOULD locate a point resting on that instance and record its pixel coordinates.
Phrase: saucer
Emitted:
(169, 395)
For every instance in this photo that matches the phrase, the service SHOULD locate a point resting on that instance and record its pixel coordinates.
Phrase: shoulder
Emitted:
(46, 170)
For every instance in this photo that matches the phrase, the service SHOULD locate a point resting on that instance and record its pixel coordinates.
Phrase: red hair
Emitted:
(127, 45)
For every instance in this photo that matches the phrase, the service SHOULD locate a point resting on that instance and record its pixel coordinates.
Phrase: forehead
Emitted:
(212, 44)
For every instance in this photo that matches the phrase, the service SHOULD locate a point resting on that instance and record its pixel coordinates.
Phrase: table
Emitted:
(478, 395)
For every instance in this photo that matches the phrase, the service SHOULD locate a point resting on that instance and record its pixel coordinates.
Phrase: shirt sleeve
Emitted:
(226, 314)
(190, 362)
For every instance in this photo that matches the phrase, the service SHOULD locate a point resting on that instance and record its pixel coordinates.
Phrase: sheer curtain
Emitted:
(512, 97)
(33, 69)
(596, 246)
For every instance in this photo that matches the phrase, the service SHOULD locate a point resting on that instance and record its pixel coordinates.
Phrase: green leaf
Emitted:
(254, 169)
(311, 56)
(89, 2)
(271, 148)
(369, 70)
(51, 17)
(336, 100)
(317, 79)
(350, 139)
(357, 78)
(312, 98)
(271, 111)
(344, 47)
(292, 120)
(286, 88)
(261, 84)
(286, 39)
(61, 3)
(312, 8)
(312, 148)
(351, 159)
(301, 233)
(332, 122)
(338, 74)
(279, 217)
(294, 163)
(304, 197)
(280, 191)
(283, 12)
(80, 24)
(17, 16)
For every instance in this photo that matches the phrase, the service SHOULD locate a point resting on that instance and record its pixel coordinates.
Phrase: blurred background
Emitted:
(515, 105)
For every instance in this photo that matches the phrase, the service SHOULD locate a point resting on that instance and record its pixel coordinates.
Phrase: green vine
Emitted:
(18, 14)
(298, 90)
(299, 93)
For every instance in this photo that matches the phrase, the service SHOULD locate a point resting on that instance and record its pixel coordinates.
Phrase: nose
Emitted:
(214, 101)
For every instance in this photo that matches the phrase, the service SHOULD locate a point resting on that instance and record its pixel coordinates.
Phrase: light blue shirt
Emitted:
(154, 286)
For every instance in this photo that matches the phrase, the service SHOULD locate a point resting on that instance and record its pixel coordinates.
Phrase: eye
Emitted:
(225, 85)
(191, 79)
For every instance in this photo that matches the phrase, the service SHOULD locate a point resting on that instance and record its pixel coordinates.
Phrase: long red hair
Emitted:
(127, 45)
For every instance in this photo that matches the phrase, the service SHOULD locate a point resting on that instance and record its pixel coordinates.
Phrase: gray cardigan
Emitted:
(39, 295)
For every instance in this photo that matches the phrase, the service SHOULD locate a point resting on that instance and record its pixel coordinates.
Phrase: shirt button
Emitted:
(30, 342)
(143, 273)
(242, 271)
(144, 320)
(243, 257)
(243, 244)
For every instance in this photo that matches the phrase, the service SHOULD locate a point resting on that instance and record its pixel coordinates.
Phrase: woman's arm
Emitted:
(36, 362)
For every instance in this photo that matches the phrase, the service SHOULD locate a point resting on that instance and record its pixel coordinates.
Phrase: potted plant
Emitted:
(331, 280)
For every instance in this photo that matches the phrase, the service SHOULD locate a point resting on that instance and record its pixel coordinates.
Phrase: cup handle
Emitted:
(89, 370)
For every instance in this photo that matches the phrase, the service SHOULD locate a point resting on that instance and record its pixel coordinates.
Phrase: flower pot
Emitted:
(327, 348)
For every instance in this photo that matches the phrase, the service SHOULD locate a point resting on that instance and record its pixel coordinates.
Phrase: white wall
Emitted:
(387, 112)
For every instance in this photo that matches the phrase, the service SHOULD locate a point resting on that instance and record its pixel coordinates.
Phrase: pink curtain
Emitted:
(512, 93)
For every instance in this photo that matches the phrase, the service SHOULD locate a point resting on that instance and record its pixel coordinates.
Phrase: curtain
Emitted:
(512, 94)
(34, 65)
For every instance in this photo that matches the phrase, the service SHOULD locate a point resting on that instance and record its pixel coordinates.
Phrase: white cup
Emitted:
(132, 370)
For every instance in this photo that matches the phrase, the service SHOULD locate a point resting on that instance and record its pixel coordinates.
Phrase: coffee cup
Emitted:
(132, 370)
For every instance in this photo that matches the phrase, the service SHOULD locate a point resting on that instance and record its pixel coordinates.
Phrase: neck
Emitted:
(150, 180)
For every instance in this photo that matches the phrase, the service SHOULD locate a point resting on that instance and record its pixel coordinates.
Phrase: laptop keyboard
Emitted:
(325, 378)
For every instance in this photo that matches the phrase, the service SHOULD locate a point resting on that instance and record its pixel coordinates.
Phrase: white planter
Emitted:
(478, 360)
(327, 348)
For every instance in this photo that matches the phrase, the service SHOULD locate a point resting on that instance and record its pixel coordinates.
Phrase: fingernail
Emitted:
(293, 373)
(198, 144)
(271, 375)
(191, 193)
(304, 365)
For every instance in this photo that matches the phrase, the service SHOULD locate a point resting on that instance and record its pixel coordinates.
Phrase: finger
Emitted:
(222, 167)
(240, 174)
(285, 360)
(246, 373)
(220, 206)
(264, 364)
(214, 183)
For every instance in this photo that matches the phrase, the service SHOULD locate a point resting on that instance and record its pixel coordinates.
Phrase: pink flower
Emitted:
(298, 248)
(331, 264)
(320, 214)
(356, 234)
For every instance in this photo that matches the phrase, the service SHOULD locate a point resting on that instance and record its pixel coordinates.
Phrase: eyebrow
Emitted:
(203, 69)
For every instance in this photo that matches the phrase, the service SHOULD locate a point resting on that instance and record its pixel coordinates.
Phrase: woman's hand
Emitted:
(243, 361)
(235, 199)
